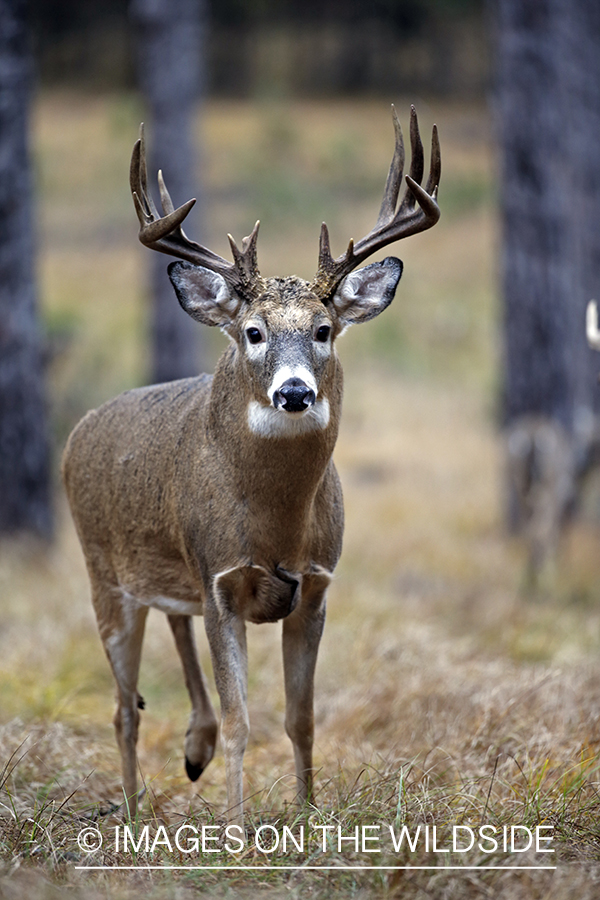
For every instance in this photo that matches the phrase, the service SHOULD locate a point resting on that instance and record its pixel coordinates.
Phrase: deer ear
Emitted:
(203, 294)
(364, 294)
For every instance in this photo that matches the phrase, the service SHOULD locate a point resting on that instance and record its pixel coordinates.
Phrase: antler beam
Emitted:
(392, 224)
(165, 234)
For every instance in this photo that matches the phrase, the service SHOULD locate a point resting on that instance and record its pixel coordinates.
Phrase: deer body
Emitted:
(218, 495)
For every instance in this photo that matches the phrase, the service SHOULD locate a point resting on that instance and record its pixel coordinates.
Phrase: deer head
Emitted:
(285, 328)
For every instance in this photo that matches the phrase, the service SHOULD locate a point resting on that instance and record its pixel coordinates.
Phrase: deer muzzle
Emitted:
(294, 396)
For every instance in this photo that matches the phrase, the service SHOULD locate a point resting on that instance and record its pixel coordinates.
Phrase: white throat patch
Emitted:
(268, 422)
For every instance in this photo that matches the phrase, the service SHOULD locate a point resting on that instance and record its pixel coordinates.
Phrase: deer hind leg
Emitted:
(302, 632)
(201, 736)
(121, 622)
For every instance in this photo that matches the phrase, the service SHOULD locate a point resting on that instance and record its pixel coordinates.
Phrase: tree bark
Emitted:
(170, 54)
(547, 103)
(534, 196)
(548, 122)
(578, 51)
(25, 495)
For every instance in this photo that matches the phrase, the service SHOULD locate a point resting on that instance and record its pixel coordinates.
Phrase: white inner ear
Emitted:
(365, 293)
(212, 289)
(203, 294)
(361, 284)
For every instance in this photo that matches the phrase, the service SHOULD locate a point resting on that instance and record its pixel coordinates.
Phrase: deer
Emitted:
(546, 466)
(217, 495)
(541, 465)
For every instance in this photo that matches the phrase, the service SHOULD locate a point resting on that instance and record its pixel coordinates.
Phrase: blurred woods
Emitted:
(284, 48)
(24, 448)
(547, 102)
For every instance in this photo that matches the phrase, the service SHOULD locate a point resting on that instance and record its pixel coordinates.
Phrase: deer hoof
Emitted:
(193, 771)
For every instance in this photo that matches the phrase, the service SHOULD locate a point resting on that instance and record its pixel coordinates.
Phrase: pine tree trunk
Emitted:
(534, 198)
(169, 50)
(548, 123)
(25, 503)
(578, 52)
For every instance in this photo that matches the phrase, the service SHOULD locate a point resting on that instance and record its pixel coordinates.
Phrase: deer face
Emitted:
(284, 328)
(285, 336)
(285, 340)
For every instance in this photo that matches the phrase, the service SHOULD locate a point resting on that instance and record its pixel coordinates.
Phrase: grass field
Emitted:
(446, 694)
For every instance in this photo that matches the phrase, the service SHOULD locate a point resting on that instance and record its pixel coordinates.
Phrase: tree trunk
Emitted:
(548, 122)
(25, 503)
(170, 54)
(578, 51)
(534, 198)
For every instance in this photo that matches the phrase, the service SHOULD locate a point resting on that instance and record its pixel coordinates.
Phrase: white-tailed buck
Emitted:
(217, 495)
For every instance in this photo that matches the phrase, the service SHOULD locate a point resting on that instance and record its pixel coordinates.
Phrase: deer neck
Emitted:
(282, 472)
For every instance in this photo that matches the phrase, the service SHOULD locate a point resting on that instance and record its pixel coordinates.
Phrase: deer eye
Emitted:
(254, 335)
(322, 333)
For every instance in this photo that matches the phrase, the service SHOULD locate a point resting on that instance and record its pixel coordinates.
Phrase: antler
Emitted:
(164, 233)
(591, 321)
(391, 225)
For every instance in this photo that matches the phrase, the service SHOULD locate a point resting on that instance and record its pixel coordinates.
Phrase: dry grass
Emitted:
(445, 695)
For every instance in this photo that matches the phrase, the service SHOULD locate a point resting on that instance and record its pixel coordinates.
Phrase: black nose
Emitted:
(294, 396)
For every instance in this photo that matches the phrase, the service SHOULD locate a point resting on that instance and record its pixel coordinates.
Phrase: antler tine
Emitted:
(165, 197)
(417, 162)
(325, 258)
(435, 166)
(165, 234)
(153, 225)
(394, 179)
(143, 176)
(138, 180)
(246, 259)
(249, 243)
(137, 187)
(429, 210)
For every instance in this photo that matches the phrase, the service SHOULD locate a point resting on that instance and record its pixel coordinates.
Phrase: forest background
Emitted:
(451, 687)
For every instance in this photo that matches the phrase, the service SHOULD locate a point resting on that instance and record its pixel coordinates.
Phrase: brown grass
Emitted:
(445, 694)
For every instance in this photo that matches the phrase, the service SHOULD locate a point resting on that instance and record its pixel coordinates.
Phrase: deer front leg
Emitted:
(226, 632)
(302, 632)
(201, 736)
(121, 627)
